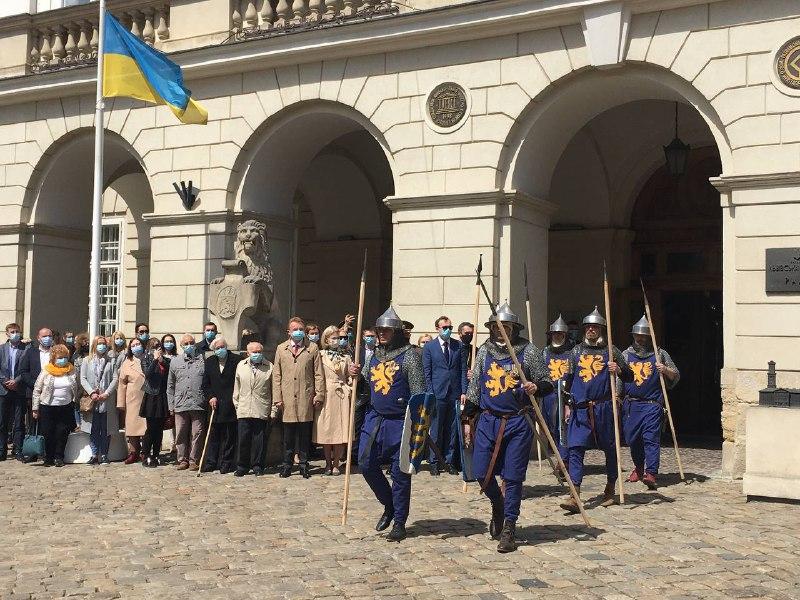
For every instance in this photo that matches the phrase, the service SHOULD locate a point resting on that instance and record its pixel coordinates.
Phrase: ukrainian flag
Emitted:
(133, 69)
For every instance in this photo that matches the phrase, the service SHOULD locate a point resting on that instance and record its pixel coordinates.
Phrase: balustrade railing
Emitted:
(262, 18)
(69, 38)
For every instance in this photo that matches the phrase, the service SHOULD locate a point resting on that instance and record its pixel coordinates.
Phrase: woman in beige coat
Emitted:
(129, 398)
(332, 419)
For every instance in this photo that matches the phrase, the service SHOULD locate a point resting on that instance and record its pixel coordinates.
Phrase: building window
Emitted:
(110, 277)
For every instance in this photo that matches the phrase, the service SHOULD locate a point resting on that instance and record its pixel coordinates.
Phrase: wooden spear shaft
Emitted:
(613, 380)
(354, 383)
(663, 383)
(205, 445)
(530, 335)
(474, 349)
(539, 417)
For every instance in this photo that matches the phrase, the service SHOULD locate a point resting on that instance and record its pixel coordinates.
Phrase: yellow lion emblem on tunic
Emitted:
(383, 376)
(589, 366)
(558, 368)
(500, 380)
(641, 371)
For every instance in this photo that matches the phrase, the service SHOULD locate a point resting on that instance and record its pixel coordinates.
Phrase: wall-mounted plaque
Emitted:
(783, 270)
(447, 104)
(787, 64)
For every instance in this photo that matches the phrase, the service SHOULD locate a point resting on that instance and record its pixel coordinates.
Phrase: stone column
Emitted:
(13, 251)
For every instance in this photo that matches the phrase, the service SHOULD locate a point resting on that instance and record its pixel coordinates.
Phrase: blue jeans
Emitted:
(98, 438)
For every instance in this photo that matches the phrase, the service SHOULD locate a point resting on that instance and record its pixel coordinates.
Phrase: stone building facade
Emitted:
(428, 132)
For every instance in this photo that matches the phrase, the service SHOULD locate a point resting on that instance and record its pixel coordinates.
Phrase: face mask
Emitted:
(170, 346)
(15, 337)
(69, 339)
(143, 337)
(46, 341)
(62, 362)
(85, 348)
(189, 350)
(466, 338)
(343, 342)
(445, 333)
(369, 340)
(210, 335)
(256, 358)
(298, 335)
(221, 353)
(101, 348)
(119, 342)
(314, 337)
(137, 350)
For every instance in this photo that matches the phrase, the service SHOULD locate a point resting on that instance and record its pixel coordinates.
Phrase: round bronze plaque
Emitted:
(787, 64)
(447, 104)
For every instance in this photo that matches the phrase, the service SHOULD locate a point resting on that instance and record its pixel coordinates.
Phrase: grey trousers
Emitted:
(190, 426)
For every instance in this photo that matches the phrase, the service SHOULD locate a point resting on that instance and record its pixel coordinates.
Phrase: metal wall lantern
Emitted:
(677, 152)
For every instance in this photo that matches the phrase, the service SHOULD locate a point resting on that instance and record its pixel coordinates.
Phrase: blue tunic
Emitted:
(557, 364)
(590, 382)
(642, 412)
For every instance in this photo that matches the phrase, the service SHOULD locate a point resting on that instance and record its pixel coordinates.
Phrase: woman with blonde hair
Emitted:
(117, 348)
(99, 382)
(332, 419)
(130, 394)
(53, 404)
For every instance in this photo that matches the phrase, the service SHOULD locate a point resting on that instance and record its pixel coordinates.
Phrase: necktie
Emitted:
(447, 353)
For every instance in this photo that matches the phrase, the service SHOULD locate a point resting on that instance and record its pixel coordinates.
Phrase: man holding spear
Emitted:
(591, 416)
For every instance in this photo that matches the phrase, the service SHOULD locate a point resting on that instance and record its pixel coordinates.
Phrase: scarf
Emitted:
(58, 371)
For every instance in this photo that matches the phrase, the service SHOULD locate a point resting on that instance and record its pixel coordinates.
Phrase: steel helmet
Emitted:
(559, 325)
(506, 315)
(594, 318)
(389, 319)
(641, 327)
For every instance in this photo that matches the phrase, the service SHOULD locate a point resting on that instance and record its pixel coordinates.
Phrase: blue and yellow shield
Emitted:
(413, 445)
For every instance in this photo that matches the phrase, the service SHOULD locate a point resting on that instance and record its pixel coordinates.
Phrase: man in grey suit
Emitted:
(13, 403)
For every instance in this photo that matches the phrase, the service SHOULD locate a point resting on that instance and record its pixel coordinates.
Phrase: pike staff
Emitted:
(663, 383)
(539, 417)
(530, 333)
(205, 445)
(613, 380)
(474, 349)
(351, 425)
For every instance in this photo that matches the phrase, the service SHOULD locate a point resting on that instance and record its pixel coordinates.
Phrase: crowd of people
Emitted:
(221, 405)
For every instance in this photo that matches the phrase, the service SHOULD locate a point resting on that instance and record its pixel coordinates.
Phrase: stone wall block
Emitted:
(642, 28)
(492, 128)
(195, 157)
(576, 46)
(767, 159)
(446, 157)
(411, 290)
(470, 180)
(421, 183)
(524, 71)
(741, 102)
(356, 72)
(412, 160)
(331, 78)
(393, 111)
(721, 74)
(147, 140)
(418, 235)
(762, 37)
(310, 75)
(481, 154)
(699, 49)
(237, 131)
(181, 135)
(376, 89)
(755, 131)
(672, 30)
(509, 100)
(548, 46)
(138, 119)
(289, 84)
(265, 85)
(405, 135)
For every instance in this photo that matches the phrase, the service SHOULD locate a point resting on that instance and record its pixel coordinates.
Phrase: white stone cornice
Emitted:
(27, 231)
(213, 216)
(491, 197)
(728, 183)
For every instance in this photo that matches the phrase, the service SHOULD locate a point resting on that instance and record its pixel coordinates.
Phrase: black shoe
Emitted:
(146, 462)
(46, 463)
(154, 462)
(30, 459)
(239, 473)
(451, 470)
(225, 470)
(93, 461)
(58, 462)
(208, 469)
(386, 519)
(3, 457)
(103, 460)
(258, 471)
(286, 471)
(398, 533)
(304, 471)
(507, 543)
(496, 524)
(435, 470)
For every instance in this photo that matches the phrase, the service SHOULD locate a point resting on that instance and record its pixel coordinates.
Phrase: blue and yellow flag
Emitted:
(133, 69)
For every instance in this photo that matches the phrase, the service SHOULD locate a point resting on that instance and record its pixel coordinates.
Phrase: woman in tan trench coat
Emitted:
(332, 419)
(129, 398)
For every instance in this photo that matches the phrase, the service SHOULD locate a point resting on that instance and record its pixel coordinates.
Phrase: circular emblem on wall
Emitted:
(226, 302)
(447, 105)
(787, 64)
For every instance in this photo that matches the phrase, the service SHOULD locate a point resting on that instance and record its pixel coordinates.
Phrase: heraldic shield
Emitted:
(466, 450)
(413, 446)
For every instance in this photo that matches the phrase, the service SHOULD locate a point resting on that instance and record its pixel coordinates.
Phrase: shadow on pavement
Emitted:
(647, 498)
(447, 528)
(533, 535)
(539, 491)
(668, 479)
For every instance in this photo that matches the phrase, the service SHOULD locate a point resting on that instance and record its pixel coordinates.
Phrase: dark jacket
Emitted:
(219, 385)
(446, 380)
(5, 372)
(29, 368)
(154, 403)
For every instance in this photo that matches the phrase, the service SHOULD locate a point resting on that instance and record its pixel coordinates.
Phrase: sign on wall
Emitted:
(783, 270)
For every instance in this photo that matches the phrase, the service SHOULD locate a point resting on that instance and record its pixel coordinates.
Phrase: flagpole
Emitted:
(97, 196)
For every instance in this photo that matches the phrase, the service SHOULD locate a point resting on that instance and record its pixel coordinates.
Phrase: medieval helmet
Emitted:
(559, 325)
(506, 315)
(641, 327)
(389, 319)
(594, 318)
(408, 326)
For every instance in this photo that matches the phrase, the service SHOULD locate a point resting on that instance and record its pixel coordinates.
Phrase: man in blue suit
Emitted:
(12, 392)
(445, 370)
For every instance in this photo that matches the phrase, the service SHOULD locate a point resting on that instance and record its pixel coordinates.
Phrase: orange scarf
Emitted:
(59, 371)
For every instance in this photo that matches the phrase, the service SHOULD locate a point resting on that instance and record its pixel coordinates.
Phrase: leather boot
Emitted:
(304, 471)
(398, 533)
(386, 519)
(609, 499)
(650, 481)
(570, 505)
(496, 522)
(507, 543)
(286, 470)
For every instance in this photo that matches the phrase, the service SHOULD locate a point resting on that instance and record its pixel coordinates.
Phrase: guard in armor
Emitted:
(394, 374)
(591, 418)
(503, 434)
(643, 406)
(557, 360)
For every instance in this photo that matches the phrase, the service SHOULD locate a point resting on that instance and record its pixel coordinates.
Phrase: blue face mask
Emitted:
(143, 337)
(188, 350)
(298, 335)
(46, 341)
(137, 350)
(256, 358)
(69, 339)
(369, 340)
(170, 346)
(101, 348)
(221, 353)
(314, 337)
(15, 337)
(119, 342)
(343, 342)
(210, 335)
(445, 333)
(62, 362)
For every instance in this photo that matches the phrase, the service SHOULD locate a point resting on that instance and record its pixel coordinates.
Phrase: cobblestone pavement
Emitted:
(128, 532)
